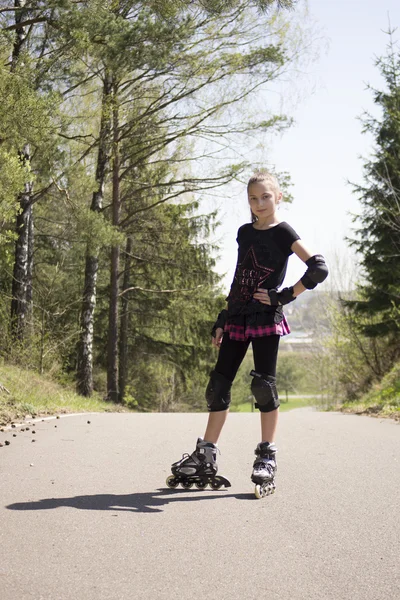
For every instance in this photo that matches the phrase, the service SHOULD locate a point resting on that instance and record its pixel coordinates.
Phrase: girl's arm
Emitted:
(218, 329)
(316, 273)
(304, 254)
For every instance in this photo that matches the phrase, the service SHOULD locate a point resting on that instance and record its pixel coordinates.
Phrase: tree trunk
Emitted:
(29, 273)
(24, 225)
(112, 363)
(85, 346)
(19, 301)
(123, 342)
(20, 34)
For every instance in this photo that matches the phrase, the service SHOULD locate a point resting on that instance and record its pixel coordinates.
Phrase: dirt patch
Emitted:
(378, 411)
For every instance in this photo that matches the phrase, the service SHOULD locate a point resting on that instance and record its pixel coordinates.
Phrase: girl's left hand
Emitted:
(262, 296)
(217, 340)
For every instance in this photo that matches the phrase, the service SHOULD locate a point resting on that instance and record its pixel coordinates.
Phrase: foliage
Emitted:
(289, 373)
(378, 237)
(24, 119)
(184, 75)
(345, 363)
(383, 399)
(364, 346)
(388, 390)
(32, 395)
(292, 377)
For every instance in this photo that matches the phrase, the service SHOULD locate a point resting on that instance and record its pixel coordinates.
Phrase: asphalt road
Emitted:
(85, 513)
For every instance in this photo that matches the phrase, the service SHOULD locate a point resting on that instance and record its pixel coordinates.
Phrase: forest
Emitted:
(117, 118)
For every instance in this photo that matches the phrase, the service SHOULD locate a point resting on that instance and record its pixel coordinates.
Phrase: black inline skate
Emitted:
(199, 469)
(264, 469)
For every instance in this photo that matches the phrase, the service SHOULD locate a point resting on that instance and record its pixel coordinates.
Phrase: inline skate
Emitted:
(264, 469)
(199, 469)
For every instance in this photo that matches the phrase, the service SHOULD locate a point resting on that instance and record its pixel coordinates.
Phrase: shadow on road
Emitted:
(141, 502)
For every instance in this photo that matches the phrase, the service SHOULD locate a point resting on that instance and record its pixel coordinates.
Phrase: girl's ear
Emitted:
(279, 198)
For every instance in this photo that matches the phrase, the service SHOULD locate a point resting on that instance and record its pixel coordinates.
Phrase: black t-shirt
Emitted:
(262, 261)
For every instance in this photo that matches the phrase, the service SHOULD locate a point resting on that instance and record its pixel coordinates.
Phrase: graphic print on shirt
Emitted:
(250, 275)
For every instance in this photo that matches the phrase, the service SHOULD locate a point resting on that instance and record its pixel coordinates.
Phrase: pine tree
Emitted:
(378, 238)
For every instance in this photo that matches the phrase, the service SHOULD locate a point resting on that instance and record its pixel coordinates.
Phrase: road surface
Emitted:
(85, 513)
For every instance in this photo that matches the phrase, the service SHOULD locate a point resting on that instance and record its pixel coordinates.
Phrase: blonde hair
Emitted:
(262, 177)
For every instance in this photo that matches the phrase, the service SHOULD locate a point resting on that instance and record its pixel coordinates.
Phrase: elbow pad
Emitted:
(316, 273)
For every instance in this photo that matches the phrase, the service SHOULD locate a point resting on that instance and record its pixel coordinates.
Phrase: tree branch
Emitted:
(158, 291)
(28, 22)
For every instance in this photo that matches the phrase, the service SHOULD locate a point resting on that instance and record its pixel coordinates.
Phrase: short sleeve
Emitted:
(287, 237)
(240, 233)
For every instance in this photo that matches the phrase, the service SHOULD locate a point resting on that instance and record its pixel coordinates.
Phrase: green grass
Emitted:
(374, 408)
(383, 400)
(294, 402)
(35, 395)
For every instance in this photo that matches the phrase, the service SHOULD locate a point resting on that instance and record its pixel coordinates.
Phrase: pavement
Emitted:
(85, 513)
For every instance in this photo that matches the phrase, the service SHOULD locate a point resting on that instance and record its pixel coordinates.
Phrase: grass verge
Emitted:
(36, 395)
(294, 402)
(382, 401)
(374, 409)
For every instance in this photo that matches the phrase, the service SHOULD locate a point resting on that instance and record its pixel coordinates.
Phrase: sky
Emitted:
(322, 150)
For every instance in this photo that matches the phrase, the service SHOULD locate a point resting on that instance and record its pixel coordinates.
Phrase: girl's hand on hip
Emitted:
(262, 296)
(216, 341)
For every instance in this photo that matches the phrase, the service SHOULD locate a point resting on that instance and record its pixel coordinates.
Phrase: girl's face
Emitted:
(263, 199)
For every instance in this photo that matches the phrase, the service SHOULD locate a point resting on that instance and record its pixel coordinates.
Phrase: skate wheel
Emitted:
(172, 482)
(216, 484)
(258, 491)
(186, 484)
(261, 491)
(201, 485)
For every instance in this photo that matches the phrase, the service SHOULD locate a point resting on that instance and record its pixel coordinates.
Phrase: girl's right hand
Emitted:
(216, 341)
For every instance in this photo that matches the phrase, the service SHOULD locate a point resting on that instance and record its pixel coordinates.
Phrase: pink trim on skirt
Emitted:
(239, 333)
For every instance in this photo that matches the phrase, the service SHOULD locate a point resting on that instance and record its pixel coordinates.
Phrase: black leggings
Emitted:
(231, 354)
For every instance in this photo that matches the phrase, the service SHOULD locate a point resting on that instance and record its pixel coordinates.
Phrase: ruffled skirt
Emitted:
(248, 329)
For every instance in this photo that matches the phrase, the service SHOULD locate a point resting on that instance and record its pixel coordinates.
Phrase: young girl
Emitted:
(254, 314)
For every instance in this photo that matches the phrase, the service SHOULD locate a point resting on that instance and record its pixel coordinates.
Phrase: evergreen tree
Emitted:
(378, 241)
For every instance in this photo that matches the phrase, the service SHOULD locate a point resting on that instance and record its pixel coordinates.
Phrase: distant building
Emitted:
(297, 340)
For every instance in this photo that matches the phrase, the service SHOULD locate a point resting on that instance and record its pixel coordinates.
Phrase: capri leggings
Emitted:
(231, 354)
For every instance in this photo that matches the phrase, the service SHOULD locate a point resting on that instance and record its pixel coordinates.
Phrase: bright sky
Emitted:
(321, 151)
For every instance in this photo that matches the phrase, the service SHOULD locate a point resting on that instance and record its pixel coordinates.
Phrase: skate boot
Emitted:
(199, 469)
(264, 469)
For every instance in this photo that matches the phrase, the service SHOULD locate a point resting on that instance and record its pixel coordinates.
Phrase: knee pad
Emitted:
(218, 392)
(264, 390)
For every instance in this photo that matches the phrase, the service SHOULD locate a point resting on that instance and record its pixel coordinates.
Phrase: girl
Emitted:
(254, 314)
